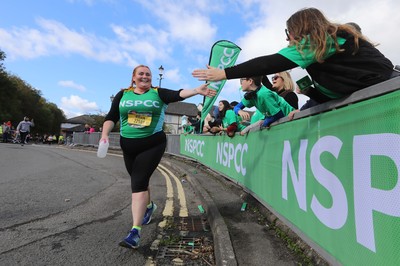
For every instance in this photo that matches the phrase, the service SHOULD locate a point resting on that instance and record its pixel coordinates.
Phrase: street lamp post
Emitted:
(161, 73)
(112, 98)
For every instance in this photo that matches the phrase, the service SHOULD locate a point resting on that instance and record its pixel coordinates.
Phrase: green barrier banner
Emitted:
(223, 54)
(333, 176)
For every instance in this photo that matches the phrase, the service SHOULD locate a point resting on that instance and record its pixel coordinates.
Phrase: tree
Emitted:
(19, 99)
(2, 57)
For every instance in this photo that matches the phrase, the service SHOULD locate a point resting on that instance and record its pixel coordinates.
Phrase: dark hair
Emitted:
(234, 103)
(252, 94)
(227, 107)
(257, 80)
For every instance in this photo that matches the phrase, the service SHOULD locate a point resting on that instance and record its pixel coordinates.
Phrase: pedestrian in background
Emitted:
(24, 128)
(5, 130)
(140, 109)
(61, 140)
(195, 123)
(186, 127)
(87, 129)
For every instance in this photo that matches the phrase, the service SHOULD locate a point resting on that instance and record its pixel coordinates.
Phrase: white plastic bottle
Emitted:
(103, 148)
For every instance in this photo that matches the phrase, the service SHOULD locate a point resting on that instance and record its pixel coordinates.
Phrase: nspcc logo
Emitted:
(228, 153)
(194, 147)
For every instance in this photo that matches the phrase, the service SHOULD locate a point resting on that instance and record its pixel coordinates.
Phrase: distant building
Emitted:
(76, 124)
(174, 113)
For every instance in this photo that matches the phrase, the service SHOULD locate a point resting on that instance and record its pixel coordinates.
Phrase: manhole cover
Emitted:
(192, 224)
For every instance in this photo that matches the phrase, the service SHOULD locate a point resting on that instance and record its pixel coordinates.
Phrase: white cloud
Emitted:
(70, 114)
(190, 25)
(71, 84)
(378, 20)
(194, 30)
(187, 22)
(180, 35)
(173, 75)
(75, 104)
(142, 41)
(54, 38)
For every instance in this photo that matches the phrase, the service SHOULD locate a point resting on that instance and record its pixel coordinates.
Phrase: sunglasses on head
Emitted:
(276, 77)
(287, 35)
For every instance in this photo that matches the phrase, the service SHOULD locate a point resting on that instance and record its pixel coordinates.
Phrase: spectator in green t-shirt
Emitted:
(266, 101)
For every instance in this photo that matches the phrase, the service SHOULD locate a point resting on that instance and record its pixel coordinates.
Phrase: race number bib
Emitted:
(139, 120)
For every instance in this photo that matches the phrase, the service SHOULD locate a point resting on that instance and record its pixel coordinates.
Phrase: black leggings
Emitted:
(142, 156)
(23, 136)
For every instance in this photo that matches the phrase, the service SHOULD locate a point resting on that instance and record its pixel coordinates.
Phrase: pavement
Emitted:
(253, 236)
(249, 236)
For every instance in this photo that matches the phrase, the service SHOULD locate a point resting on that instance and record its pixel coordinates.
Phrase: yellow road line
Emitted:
(169, 203)
(183, 211)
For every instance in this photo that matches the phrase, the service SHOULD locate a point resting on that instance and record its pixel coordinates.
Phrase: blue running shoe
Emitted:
(132, 240)
(149, 213)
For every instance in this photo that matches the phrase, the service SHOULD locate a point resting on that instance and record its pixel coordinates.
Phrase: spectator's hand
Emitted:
(209, 74)
(245, 131)
(244, 115)
(215, 130)
(205, 91)
(292, 113)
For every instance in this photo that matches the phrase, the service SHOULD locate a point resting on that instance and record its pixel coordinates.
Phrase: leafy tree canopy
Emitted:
(19, 99)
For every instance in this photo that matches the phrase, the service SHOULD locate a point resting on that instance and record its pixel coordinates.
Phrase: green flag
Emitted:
(223, 54)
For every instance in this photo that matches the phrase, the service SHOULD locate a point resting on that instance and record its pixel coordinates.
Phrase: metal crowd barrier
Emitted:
(92, 139)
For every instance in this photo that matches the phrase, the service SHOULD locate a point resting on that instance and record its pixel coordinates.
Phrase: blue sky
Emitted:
(80, 52)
